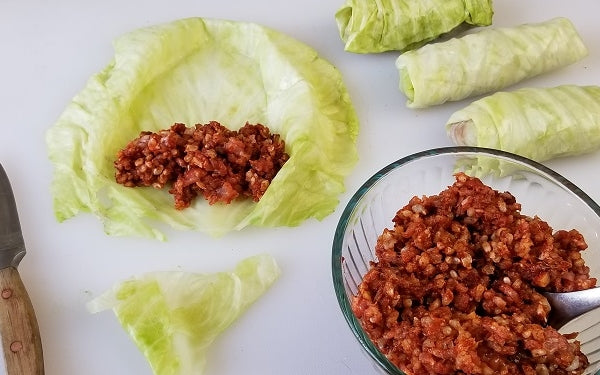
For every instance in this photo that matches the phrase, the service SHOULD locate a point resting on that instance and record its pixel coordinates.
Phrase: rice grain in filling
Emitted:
(456, 288)
(207, 160)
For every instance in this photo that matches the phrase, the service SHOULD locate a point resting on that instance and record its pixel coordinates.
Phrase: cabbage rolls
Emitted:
(538, 123)
(486, 61)
(370, 26)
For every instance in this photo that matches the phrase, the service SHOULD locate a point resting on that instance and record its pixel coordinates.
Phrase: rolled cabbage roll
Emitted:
(371, 26)
(538, 123)
(486, 61)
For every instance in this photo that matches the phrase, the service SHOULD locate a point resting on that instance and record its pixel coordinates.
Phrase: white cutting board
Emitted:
(50, 48)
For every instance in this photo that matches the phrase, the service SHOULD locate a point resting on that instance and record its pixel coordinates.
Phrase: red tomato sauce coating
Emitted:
(456, 288)
(207, 159)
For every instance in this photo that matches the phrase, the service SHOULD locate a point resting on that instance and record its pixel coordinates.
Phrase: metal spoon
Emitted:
(570, 305)
(575, 311)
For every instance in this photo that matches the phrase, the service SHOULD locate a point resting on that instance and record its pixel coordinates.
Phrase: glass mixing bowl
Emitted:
(540, 191)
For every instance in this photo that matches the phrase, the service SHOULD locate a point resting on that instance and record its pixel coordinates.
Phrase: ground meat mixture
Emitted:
(207, 159)
(456, 289)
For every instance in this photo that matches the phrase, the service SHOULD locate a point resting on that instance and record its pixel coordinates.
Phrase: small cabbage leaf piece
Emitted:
(372, 26)
(537, 123)
(194, 71)
(486, 61)
(173, 317)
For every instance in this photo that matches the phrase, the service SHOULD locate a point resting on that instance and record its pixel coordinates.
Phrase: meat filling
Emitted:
(207, 159)
(456, 288)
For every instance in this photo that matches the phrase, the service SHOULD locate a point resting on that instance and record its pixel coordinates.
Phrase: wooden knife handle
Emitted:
(21, 340)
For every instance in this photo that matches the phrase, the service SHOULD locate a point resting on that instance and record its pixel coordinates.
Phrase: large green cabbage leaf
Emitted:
(486, 61)
(193, 71)
(372, 26)
(538, 123)
(173, 317)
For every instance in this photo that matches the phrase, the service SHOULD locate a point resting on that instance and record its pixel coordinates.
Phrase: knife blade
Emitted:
(21, 341)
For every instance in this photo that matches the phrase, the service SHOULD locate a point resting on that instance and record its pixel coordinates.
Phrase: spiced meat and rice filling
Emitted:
(456, 288)
(206, 159)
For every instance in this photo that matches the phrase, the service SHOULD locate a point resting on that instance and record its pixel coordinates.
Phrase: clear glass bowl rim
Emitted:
(336, 258)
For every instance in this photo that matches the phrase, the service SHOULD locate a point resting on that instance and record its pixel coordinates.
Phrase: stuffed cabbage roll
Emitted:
(193, 71)
(486, 61)
(538, 123)
(368, 26)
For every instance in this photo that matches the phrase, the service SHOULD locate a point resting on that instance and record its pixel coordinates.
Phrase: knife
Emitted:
(21, 341)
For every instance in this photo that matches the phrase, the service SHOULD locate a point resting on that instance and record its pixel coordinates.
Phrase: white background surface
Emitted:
(50, 48)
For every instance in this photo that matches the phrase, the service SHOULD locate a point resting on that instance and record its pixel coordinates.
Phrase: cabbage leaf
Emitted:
(538, 123)
(193, 71)
(486, 61)
(173, 317)
(372, 26)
